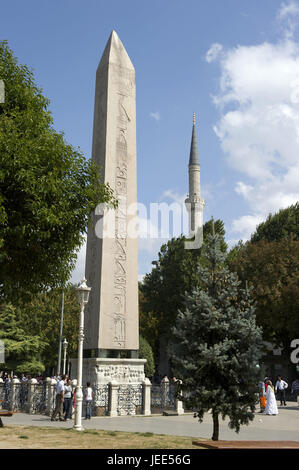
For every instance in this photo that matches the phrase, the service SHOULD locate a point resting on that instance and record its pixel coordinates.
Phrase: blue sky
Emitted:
(234, 63)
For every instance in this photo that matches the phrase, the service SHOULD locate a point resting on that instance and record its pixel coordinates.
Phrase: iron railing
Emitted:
(129, 399)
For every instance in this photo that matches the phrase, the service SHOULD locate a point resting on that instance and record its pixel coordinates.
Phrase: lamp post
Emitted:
(83, 294)
(64, 344)
(60, 336)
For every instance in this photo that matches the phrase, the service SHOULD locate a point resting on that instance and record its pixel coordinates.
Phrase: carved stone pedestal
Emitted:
(101, 371)
(119, 385)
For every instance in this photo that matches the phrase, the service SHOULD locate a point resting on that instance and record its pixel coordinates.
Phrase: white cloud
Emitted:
(214, 52)
(173, 196)
(155, 115)
(259, 125)
(287, 16)
(246, 225)
(288, 9)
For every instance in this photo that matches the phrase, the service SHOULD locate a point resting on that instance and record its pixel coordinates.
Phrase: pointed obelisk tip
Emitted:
(114, 34)
(116, 53)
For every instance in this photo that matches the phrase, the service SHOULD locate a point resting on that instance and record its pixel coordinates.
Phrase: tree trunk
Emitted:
(215, 436)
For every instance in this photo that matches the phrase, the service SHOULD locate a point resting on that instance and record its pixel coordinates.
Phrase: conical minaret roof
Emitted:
(194, 158)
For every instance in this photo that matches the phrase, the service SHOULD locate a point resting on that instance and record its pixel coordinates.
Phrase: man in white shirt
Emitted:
(60, 388)
(280, 388)
(88, 396)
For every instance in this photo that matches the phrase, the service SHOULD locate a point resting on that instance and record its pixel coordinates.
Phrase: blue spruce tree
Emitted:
(217, 345)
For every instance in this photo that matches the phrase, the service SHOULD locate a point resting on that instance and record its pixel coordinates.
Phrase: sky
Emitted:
(234, 63)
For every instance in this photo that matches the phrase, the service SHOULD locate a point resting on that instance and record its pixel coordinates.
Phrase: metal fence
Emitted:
(21, 397)
(38, 399)
(100, 402)
(4, 395)
(162, 398)
(129, 399)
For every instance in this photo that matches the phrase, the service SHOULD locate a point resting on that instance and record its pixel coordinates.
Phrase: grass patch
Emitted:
(33, 437)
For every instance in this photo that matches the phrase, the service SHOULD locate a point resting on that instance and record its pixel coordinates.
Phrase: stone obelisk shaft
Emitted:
(111, 321)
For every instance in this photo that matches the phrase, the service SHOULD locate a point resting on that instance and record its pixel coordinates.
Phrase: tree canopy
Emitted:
(37, 323)
(22, 349)
(145, 352)
(279, 226)
(47, 189)
(269, 261)
(216, 344)
(272, 269)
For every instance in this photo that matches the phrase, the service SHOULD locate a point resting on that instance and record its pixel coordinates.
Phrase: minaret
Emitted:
(194, 203)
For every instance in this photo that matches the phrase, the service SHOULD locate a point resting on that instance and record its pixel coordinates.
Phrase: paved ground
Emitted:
(283, 427)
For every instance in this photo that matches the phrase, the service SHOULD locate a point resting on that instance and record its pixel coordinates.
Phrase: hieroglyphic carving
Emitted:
(120, 247)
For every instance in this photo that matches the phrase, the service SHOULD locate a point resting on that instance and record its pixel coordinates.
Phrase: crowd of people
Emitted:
(65, 394)
(7, 378)
(269, 394)
(65, 399)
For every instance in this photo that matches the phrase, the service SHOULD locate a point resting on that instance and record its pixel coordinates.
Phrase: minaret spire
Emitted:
(194, 202)
(194, 158)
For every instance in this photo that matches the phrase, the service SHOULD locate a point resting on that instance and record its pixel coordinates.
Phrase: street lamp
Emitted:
(64, 344)
(83, 294)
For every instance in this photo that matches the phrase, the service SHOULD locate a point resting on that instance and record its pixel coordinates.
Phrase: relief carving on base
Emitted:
(120, 373)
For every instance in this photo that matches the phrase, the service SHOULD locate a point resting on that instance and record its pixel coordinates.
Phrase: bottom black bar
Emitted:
(159, 458)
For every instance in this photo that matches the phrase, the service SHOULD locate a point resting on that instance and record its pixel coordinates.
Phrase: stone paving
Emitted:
(283, 427)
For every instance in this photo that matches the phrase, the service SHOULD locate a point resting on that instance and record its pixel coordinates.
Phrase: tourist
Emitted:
(88, 397)
(262, 396)
(23, 378)
(271, 406)
(280, 388)
(295, 390)
(8, 378)
(60, 387)
(68, 392)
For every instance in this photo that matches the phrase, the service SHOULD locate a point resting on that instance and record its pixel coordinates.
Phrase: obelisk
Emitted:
(111, 316)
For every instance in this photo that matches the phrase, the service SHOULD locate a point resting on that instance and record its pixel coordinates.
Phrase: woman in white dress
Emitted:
(271, 406)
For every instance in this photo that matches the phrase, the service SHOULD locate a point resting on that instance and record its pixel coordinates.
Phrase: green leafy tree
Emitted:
(148, 323)
(162, 290)
(145, 352)
(217, 344)
(41, 317)
(272, 269)
(22, 351)
(279, 226)
(47, 189)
